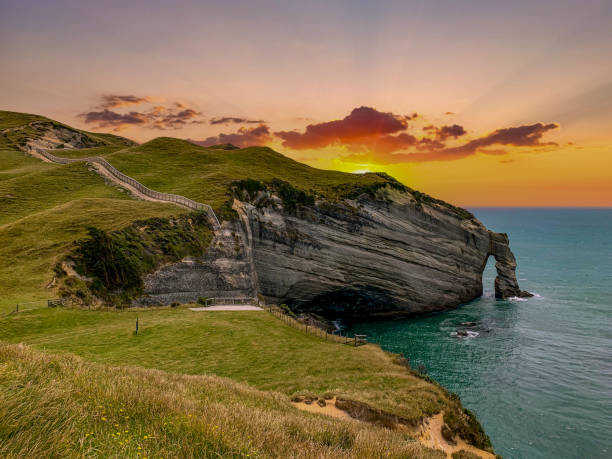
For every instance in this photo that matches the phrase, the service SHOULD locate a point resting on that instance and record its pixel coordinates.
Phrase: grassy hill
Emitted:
(55, 404)
(45, 207)
(204, 174)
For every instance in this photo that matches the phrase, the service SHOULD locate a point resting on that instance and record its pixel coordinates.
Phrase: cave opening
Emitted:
(347, 303)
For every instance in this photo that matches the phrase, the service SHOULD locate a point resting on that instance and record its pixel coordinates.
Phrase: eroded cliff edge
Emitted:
(390, 253)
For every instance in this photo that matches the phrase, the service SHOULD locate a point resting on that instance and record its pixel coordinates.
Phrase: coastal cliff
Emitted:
(390, 253)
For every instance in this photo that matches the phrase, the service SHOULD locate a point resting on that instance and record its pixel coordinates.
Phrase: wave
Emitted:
(470, 334)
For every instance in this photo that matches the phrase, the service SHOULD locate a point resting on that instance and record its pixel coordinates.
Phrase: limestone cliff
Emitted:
(389, 254)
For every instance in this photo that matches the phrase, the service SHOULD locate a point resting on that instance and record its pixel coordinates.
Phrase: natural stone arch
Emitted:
(506, 285)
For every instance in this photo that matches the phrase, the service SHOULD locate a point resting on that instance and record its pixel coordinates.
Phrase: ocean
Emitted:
(537, 372)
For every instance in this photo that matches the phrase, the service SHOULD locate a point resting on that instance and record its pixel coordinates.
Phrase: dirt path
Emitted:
(429, 433)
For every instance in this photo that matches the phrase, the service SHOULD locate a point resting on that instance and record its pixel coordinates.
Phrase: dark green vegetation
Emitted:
(117, 261)
(291, 196)
(464, 423)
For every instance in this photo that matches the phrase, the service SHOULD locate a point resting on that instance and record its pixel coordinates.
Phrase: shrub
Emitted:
(116, 261)
(175, 304)
(202, 300)
(292, 197)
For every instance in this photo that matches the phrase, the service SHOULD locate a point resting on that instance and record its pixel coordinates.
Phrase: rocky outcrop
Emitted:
(224, 271)
(394, 254)
(388, 256)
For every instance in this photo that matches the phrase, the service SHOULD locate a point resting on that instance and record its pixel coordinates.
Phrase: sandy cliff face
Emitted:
(390, 255)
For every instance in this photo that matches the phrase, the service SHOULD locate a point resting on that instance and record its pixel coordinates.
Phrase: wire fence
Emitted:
(167, 197)
(36, 304)
(308, 327)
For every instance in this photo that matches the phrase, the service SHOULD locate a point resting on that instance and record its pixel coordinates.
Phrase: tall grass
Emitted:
(62, 406)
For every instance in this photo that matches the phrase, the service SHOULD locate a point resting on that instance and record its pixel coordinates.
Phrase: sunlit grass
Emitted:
(80, 409)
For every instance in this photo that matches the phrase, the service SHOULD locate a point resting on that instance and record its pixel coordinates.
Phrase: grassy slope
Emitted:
(204, 174)
(253, 347)
(44, 208)
(79, 409)
(247, 346)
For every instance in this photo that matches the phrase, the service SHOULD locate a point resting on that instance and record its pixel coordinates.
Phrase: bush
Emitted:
(292, 197)
(202, 300)
(175, 304)
(116, 261)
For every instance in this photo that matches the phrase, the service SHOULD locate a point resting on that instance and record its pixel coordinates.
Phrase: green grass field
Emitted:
(253, 347)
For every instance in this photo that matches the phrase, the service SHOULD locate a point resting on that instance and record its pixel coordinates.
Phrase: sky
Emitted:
(480, 103)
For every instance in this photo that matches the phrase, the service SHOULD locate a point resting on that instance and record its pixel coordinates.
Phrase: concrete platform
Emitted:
(228, 307)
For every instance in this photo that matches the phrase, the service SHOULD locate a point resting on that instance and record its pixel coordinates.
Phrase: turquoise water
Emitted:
(539, 373)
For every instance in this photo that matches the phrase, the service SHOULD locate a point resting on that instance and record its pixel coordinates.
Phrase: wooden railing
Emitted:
(355, 340)
(121, 177)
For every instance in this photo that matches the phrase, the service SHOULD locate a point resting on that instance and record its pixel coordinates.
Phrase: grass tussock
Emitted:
(63, 406)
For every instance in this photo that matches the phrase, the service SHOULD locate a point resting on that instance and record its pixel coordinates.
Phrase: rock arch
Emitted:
(506, 285)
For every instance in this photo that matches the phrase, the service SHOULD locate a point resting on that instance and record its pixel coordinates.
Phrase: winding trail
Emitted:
(106, 170)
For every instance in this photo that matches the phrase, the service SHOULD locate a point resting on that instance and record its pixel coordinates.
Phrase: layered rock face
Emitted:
(225, 271)
(385, 257)
(392, 255)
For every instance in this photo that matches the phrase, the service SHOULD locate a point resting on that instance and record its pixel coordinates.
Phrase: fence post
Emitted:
(17, 308)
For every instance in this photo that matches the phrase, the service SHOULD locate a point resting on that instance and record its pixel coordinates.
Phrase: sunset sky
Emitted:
(481, 103)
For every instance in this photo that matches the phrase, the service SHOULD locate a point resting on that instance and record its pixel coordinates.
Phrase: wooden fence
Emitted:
(37, 304)
(167, 197)
(355, 340)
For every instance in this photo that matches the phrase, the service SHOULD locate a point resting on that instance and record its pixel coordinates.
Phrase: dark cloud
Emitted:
(116, 101)
(174, 116)
(244, 137)
(387, 138)
(171, 119)
(521, 136)
(361, 123)
(235, 120)
(107, 118)
(444, 132)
